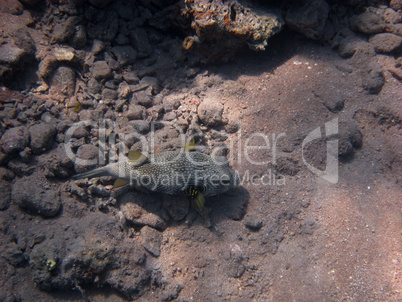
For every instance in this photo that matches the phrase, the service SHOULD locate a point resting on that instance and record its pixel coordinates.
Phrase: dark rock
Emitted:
(79, 40)
(253, 221)
(63, 125)
(111, 62)
(210, 112)
(368, 23)
(370, 71)
(6, 174)
(345, 147)
(136, 112)
(373, 78)
(94, 86)
(11, 55)
(308, 18)
(235, 268)
(391, 16)
(350, 131)
(80, 132)
(176, 206)
(88, 155)
(59, 163)
(287, 166)
(396, 4)
(143, 98)
(122, 39)
(142, 127)
(151, 240)
(171, 292)
(152, 82)
(64, 30)
(42, 137)
(124, 11)
(130, 77)
(97, 47)
(386, 43)
(26, 154)
(125, 54)
(34, 194)
(99, 3)
(63, 81)
(170, 116)
(14, 140)
(109, 94)
(13, 7)
(101, 70)
(233, 125)
(171, 102)
(23, 40)
(140, 38)
(5, 195)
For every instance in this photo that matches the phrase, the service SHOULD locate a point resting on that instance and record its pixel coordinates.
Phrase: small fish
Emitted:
(173, 172)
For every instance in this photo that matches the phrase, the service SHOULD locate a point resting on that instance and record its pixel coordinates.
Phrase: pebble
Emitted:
(125, 54)
(386, 43)
(11, 54)
(140, 38)
(97, 47)
(151, 240)
(89, 153)
(39, 198)
(136, 112)
(396, 4)
(210, 112)
(367, 23)
(5, 194)
(143, 98)
(253, 221)
(63, 81)
(373, 78)
(101, 70)
(308, 19)
(109, 94)
(42, 137)
(142, 127)
(131, 78)
(14, 140)
(64, 30)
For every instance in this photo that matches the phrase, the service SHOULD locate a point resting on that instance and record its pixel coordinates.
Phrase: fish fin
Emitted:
(198, 201)
(119, 183)
(98, 172)
(137, 157)
(189, 146)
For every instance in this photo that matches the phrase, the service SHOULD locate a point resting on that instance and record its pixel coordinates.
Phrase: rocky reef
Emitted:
(222, 27)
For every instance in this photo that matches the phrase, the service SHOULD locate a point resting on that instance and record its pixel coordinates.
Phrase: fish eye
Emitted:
(226, 181)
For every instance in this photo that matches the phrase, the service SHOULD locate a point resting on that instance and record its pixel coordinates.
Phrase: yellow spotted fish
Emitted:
(185, 172)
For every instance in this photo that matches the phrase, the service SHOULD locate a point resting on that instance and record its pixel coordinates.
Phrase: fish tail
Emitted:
(93, 173)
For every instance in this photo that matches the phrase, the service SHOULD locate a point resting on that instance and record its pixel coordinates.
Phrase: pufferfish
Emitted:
(184, 172)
